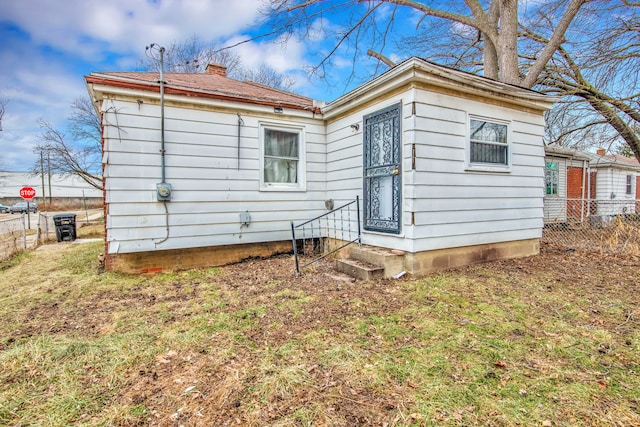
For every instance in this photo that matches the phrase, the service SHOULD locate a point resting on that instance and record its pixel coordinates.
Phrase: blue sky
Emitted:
(48, 46)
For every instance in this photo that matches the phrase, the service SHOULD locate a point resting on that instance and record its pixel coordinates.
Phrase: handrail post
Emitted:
(295, 248)
(358, 214)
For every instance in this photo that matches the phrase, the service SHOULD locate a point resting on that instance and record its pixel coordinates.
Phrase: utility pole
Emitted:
(49, 173)
(44, 193)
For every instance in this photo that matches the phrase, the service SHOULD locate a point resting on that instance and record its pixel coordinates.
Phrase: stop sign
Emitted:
(27, 193)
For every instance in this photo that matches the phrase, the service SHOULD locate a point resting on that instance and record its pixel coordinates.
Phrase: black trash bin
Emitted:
(65, 227)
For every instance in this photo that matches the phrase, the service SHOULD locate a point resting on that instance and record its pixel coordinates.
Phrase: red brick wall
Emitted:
(574, 182)
(575, 190)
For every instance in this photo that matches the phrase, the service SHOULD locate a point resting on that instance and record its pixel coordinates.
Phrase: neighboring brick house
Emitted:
(580, 184)
(567, 179)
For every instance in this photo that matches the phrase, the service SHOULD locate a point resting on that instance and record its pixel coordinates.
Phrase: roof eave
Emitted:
(419, 70)
(606, 163)
(566, 152)
(137, 85)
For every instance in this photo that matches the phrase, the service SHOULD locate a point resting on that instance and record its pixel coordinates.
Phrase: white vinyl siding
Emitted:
(611, 189)
(211, 184)
(456, 203)
(445, 204)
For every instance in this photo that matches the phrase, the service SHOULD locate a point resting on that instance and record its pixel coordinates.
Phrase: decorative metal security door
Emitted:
(382, 161)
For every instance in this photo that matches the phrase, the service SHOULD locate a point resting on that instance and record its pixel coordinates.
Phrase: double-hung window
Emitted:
(629, 186)
(488, 143)
(282, 166)
(551, 178)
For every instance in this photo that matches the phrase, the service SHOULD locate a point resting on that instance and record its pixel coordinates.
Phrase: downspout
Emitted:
(585, 189)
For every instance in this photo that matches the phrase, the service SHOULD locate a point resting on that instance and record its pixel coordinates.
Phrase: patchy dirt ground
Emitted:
(332, 300)
(210, 383)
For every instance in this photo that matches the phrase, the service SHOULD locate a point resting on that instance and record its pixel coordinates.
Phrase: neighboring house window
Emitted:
(489, 143)
(282, 158)
(629, 184)
(551, 178)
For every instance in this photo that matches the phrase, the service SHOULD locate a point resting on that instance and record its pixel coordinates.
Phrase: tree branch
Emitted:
(475, 23)
(553, 44)
(380, 57)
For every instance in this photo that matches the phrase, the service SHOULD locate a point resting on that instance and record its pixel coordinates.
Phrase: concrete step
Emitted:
(391, 261)
(359, 269)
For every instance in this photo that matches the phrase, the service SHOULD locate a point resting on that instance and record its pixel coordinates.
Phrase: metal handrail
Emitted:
(320, 231)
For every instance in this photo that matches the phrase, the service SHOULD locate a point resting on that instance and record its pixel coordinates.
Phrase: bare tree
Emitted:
(265, 76)
(82, 156)
(193, 56)
(84, 123)
(597, 75)
(496, 23)
(579, 49)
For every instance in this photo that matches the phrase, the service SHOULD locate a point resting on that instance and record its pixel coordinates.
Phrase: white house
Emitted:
(449, 166)
(579, 184)
(617, 183)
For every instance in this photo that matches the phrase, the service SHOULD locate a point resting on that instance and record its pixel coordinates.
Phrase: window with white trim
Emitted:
(629, 184)
(282, 158)
(488, 143)
(551, 178)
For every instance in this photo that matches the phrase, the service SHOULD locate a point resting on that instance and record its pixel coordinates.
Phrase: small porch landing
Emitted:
(371, 262)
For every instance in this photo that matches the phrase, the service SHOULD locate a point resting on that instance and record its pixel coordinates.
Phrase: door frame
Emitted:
(392, 168)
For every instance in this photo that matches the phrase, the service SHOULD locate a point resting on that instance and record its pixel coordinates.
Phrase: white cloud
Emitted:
(125, 25)
(44, 55)
(283, 57)
(47, 46)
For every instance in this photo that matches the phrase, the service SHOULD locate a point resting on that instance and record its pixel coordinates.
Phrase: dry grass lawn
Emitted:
(552, 340)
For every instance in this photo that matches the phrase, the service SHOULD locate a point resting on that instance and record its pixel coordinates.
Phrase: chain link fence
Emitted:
(13, 236)
(23, 232)
(605, 226)
(46, 229)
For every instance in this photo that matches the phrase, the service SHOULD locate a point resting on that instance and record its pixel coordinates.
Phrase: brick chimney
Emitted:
(218, 69)
(601, 151)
